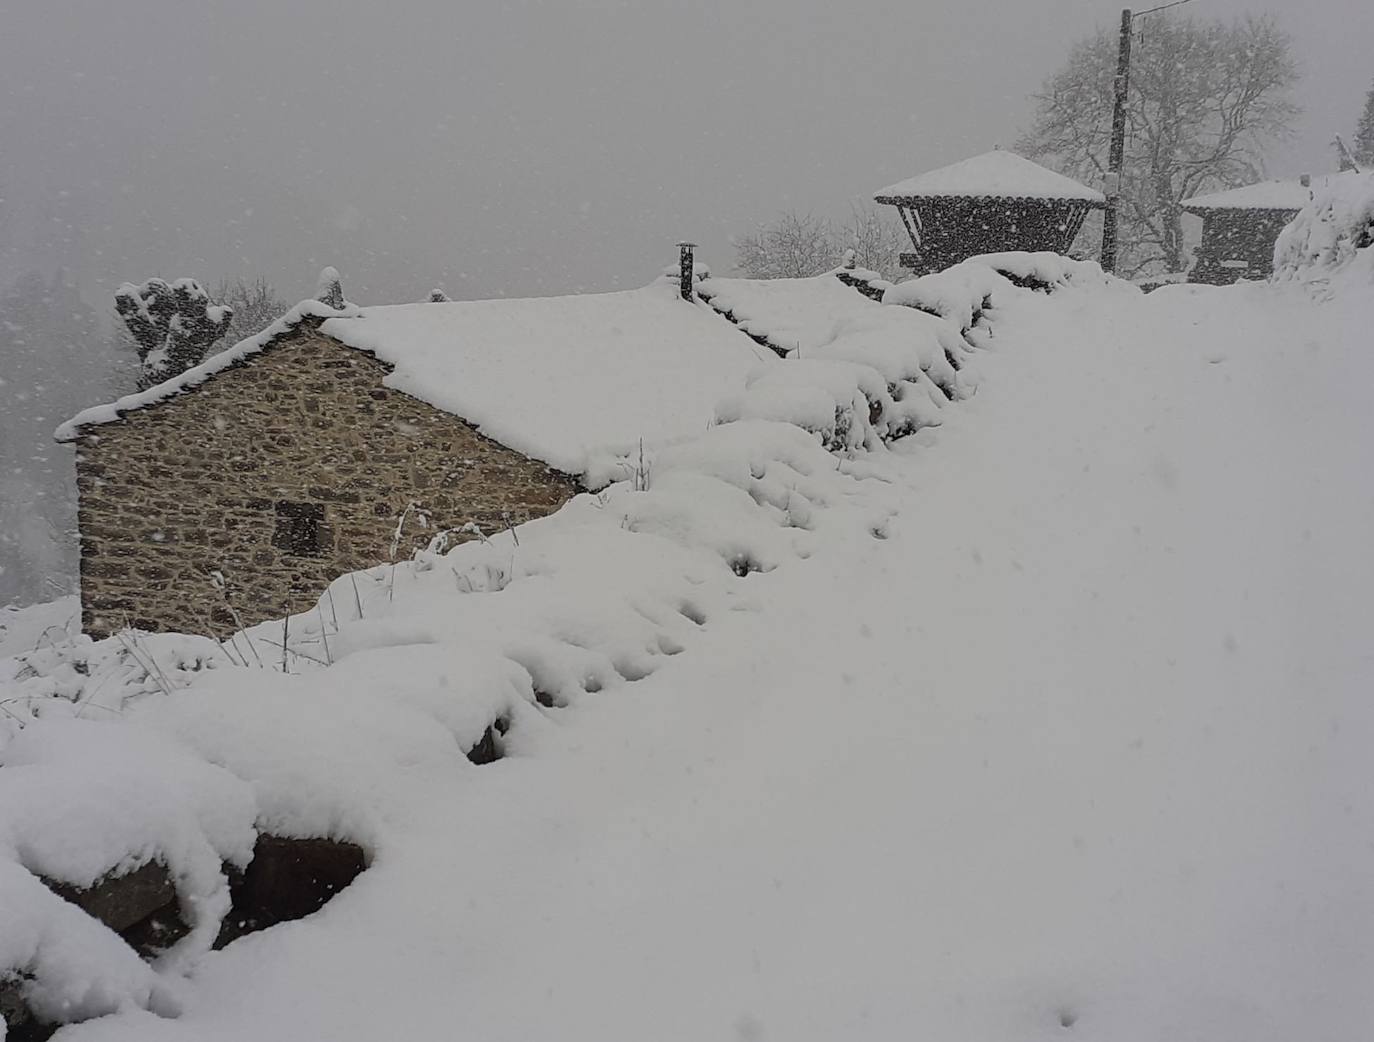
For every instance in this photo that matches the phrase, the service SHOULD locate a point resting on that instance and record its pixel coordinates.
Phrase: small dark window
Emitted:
(300, 528)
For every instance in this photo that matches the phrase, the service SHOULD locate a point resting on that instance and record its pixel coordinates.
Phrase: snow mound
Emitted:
(127, 797)
(67, 965)
(1331, 232)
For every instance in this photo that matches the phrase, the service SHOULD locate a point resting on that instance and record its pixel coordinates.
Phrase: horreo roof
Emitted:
(1265, 195)
(995, 175)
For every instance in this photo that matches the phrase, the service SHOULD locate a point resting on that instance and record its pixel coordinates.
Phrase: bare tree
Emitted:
(802, 245)
(795, 246)
(255, 303)
(876, 240)
(1206, 98)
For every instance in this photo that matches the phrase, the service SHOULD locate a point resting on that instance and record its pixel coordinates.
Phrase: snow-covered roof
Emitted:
(1266, 195)
(996, 174)
(556, 378)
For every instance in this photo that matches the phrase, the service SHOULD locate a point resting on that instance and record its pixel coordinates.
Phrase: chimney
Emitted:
(686, 265)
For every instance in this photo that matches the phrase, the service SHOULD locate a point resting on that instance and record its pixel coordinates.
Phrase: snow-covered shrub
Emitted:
(846, 405)
(1329, 233)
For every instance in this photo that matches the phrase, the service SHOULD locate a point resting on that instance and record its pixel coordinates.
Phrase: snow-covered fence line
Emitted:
(870, 283)
(707, 294)
(858, 375)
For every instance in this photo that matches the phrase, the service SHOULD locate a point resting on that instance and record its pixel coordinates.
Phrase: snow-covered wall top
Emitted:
(553, 377)
(995, 174)
(1266, 195)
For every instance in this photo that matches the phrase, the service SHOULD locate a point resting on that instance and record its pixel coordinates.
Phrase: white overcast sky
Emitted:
(519, 147)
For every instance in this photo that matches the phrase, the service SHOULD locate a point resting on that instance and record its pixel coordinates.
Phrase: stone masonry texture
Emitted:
(217, 479)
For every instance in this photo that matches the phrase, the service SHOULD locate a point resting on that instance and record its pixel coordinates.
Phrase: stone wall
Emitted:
(281, 473)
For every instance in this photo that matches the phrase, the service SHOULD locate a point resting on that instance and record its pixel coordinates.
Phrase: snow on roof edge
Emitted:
(1278, 195)
(993, 175)
(197, 375)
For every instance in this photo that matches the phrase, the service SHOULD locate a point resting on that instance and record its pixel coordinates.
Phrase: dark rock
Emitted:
(490, 747)
(287, 879)
(140, 906)
(20, 1023)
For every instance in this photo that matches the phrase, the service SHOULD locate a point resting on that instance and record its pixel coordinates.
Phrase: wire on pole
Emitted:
(1161, 7)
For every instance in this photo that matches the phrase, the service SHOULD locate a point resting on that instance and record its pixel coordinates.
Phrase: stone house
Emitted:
(237, 491)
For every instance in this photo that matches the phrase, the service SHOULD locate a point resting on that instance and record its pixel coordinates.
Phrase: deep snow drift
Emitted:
(1048, 721)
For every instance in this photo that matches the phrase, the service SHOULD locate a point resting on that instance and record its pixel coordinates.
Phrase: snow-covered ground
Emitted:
(1049, 721)
(27, 628)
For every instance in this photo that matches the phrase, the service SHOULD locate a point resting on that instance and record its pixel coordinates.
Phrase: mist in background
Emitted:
(517, 148)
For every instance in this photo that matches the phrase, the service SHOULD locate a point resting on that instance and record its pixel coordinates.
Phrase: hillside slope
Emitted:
(1062, 733)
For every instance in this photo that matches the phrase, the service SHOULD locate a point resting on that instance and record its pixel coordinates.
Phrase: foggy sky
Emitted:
(519, 148)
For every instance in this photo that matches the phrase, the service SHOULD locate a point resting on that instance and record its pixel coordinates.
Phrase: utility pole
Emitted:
(1120, 88)
(1118, 147)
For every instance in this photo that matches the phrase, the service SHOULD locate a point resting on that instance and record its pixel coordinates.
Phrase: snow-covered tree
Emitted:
(794, 246)
(1364, 134)
(173, 325)
(1205, 99)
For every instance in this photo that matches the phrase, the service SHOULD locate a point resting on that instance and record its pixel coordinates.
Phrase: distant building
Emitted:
(992, 203)
(235, 492)
(1239, 228)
